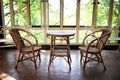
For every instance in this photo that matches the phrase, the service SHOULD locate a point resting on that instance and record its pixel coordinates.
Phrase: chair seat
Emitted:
(28, 49)
(92, 50)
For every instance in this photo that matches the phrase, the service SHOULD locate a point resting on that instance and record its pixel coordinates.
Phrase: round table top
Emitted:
(60, 33)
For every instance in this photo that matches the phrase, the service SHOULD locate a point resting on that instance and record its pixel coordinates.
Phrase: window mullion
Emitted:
(12, 13)
(94, 15)
(61, 13)
(44, 17)
(77, 20)
(28, 14)
(110, 13)
(119, 20)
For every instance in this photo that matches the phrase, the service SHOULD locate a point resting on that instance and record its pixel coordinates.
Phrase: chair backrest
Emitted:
(103, 38)
(15, 34)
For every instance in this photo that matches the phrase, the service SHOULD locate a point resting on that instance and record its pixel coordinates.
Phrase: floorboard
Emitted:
(59, 69)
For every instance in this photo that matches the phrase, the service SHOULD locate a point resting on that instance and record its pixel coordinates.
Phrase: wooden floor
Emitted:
(59, 69)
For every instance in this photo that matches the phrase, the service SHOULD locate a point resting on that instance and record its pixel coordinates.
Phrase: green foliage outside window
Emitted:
(20, 12)
(86, 13)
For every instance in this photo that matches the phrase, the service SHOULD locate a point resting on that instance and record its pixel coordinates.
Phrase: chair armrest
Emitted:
(92, 35)
(97, 40)
(31, 35)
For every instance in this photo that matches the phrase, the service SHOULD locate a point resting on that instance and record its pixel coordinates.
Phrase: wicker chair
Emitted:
(26, 49)
(95, 44)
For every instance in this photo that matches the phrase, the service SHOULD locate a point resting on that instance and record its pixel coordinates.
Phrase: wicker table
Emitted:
(60, 35)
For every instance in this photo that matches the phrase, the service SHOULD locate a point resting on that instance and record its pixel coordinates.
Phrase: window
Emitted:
(6, 9)
(69, 12)
(115, 28)
(35, 12)
(20, 13)
(103, 13)
(54, 12)
(57, 14)
(115, 13)
(86, 10)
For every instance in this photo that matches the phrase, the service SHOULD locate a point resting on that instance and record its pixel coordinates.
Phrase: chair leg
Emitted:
(50, 61)
(35, 64)
(98, 59)
(20, 57)
(85, 62)
(69, 61)
(102, 61)
(34, 60)
(81, 53)
(39, 55)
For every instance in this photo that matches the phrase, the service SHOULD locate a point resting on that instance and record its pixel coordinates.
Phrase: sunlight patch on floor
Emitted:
(4, 76)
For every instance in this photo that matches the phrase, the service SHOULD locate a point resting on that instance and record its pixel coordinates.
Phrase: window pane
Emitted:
(6, 8)
(115, 31)
(20, 12)
(39, 34)
(82, 34)
(35, 12)
(54, 12)
(69, 12)
(103, 13)
(115, 13)
(86, 12)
